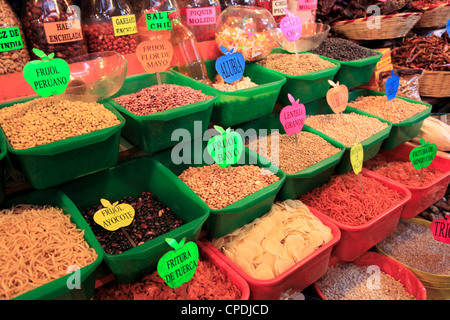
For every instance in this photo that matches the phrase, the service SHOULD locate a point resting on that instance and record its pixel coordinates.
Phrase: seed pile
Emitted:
(219, 187)
(290, 64)
(289, 155)
(396, 111)
(342, 50)
(152, 219)
(244, 83)
(41, 121)
(354, 126)
(348, 281)
(160, 98)
(413, 245)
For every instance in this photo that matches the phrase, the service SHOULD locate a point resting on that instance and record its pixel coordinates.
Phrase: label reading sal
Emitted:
(178, 266)
(124, 25)
(158, 21)
(114, 216)
(63, 31)
(231, 66)
(155, 56)
(423, 155)
(10, 39)
(47, 76)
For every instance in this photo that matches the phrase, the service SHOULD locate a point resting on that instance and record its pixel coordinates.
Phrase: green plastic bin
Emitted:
(152, 133)
(52, 164)
(57, 289)
(304, 180)
(233, 108)
(131, 178)
(401, 132)
(371, 145)
(307, 87)
(223, 221)
(358, 72)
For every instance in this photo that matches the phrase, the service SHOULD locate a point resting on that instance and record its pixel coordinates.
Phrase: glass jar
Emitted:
(154, 22)
(54, 26)
(13, 49)
(276, 7)
(305, 9)
(109, 25)
(200, 16)
(251, 31)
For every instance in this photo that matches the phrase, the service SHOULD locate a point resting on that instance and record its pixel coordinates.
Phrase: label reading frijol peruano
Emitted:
(278, 7)
(124, 25)
(201, 16)
(10, 39)
(63, 31)
(158, 21)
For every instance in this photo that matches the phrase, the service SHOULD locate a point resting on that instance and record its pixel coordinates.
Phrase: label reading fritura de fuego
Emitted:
(158, 21)
(10, 39)
(124, 25)
(63, 31)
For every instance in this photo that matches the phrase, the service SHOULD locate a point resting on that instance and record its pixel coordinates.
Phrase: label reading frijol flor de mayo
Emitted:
(124, 25)
(10, 39)
(63, 31)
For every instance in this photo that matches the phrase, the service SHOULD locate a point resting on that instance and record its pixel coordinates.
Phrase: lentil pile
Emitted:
(413, 245)
(342, 50)
(348, 281)
(290, 155)
(290, 64)
(41, 121)
(219, 187)
(160, 98)
(396, 111)
(152, 219)
(208, 283)
(354, 126)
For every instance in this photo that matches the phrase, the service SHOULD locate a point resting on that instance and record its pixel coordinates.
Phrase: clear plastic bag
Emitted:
(409, 82)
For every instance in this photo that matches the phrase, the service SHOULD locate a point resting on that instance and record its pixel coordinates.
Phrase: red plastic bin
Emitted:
(389, 266)
(298, 277)
(356, 240)
(425, 196)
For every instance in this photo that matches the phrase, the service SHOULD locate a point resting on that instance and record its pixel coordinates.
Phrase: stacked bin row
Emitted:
(57, 165)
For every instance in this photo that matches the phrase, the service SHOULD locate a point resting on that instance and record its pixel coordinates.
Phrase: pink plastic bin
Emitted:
(298, 277)
(425, 196)
(389, 266)
(355, 240)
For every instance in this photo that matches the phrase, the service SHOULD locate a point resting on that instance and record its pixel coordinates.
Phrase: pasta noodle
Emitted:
(37, 245)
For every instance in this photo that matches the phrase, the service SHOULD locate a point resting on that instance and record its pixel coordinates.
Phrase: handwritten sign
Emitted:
(291, 26)
(441, 230)
(231, 66)
(226, 148)
(293, 117)
(10, 39)
(357, 157)
(423, 155)
(155, 56)
(47, 76)
(178, 266)
(337, 97)
(114, 216)
(391, 86)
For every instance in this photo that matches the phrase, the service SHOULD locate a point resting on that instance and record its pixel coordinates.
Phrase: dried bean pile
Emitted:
(160, 98)
(354, 126)
(152, 219)
(292, 156)
(342, 50)
(396, 111)
(348, 281)
(12, 61)
(439, 209)
(413, 245)
(219, 187)
(290, 64)
(41, 121)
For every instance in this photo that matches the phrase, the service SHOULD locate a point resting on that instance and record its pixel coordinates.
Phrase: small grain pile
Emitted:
(396, 111)
(219, 187)
(244, 83)
(295, 66)
(346, 127)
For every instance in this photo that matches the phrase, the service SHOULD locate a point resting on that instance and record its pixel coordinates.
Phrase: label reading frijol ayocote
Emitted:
(10, 39)
(124, 25)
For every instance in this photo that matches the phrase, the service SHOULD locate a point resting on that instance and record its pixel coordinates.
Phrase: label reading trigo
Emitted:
(10, 39)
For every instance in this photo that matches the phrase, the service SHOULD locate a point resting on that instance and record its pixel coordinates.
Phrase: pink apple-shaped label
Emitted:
(291, 26)
(440, 229)
(293, 117)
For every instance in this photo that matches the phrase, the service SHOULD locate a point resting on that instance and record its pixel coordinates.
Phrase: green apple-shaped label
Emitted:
(178, 266)
(226, 148)
(47, 76)
(114, 216)
(423, 155)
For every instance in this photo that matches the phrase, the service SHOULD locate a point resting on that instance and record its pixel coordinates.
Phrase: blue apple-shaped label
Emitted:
(47, 76)
(448, 27)
(231, 66)
(391, 86)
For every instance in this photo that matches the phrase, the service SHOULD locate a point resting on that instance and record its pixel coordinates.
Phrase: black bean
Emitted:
(342, 50)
